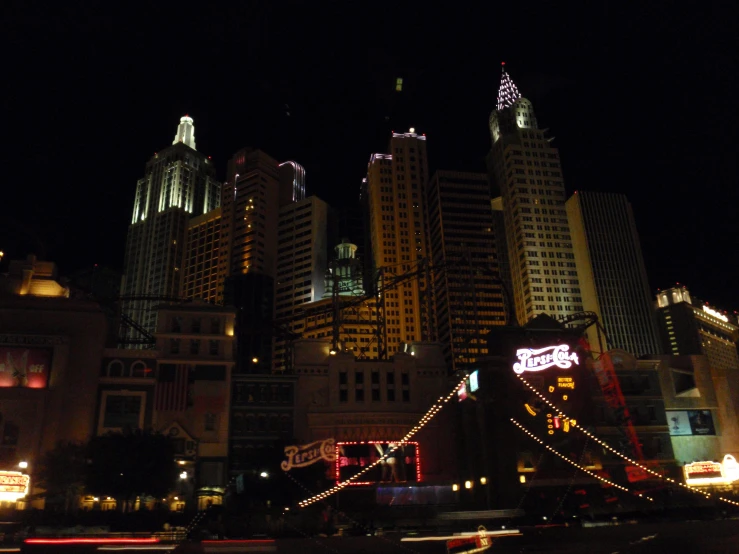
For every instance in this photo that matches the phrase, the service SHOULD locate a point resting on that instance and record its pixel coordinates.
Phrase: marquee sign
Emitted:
(309, 454)
(544, 358)
(13, 485)
(712, 473)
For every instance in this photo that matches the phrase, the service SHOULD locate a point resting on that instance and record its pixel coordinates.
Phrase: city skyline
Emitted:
(581, 96)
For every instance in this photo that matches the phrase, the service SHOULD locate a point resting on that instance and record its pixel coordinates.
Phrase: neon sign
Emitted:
(712, 473)
(544, 358)
(474, 382)
(715, 314)
(13, 485)
(309, 454)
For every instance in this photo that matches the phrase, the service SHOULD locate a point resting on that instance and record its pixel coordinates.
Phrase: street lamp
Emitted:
(23, 464)
(255, 360)
(183, 475)
(264, 475)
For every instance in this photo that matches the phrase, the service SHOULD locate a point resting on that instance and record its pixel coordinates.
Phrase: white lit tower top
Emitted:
(185, 132)
(508, 92)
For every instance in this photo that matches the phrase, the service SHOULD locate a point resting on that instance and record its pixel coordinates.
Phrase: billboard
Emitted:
(25, 367)
(400, 466)
(690, 423)
(13, 485)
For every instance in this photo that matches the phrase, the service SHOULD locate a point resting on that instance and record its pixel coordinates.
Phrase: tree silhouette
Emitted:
(61, 473)
(131, 464)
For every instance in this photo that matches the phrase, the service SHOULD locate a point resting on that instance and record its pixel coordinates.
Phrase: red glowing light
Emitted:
(502, 63)
(103, 540)
(556, 423)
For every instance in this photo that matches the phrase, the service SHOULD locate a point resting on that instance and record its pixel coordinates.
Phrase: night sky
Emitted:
(641, 100)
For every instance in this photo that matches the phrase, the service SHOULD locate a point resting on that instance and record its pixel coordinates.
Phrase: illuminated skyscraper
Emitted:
(527, 174)
(613, 278)
(691, 326)
(394, 188)
(179, 184)
(467, 286)
(301, 264)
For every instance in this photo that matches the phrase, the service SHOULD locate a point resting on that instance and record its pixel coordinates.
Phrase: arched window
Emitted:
(139, 369)
(115, 369)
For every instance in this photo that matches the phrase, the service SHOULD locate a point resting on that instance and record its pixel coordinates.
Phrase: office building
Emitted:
(202, 247)
(690, 326)
(179, 183)
(249, 214)
(467, 288)
(302, 257)
(613, 279)
(395, 186)
(527, 175)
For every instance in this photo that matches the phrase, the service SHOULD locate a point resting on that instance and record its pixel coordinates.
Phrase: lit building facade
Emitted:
(613, 279)
(202, 247)
(527, 174)
(301, 261)
(374, 402)
(179, 183)
(690, 326)
(467, 287)
(395, 186)
(345, 315)
(192, 395)
(702, 403)
(50, 351)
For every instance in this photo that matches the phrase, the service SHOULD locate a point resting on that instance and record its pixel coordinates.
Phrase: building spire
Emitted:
(185, 132)
(507, 93)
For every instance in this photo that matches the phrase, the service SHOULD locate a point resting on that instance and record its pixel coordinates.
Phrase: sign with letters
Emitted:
(13, 485)
(533, 360)
(309, 454)
(25, 367)
(712, 473)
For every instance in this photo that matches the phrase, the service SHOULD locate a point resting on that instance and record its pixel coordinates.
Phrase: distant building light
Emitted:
(521, 478)
(455, 487)
(468, 484)
(483, 480)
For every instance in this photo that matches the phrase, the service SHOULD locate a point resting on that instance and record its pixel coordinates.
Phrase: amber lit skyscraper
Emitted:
(611, 267)
(527, 174)
(467, 287)
(179, 184)
(395, 195)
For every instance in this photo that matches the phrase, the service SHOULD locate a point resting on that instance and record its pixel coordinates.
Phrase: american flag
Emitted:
(172, 387)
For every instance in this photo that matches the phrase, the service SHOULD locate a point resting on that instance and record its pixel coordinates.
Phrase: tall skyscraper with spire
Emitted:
(179, 183)
(527, 175)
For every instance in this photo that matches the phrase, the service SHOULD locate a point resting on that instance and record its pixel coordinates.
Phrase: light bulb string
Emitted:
(428, 416)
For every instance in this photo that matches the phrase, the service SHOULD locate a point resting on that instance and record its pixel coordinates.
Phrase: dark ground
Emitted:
(675, 537)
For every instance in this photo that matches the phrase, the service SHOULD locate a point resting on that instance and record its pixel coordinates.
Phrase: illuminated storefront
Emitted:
(13, 486)
(704, 474)
(402, 464)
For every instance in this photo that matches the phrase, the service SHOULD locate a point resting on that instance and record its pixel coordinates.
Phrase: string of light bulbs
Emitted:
(575, 464)
(607, 446)
(428, 416)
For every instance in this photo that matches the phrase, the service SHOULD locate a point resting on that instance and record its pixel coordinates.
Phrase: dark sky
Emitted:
(641, 99)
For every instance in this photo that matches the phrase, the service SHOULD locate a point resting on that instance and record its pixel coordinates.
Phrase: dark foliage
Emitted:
(126, 465)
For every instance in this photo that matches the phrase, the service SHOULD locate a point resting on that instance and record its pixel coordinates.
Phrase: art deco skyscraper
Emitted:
(527, 174)
(179, 183)
(612, 274)
(468, 293)
(395, 195)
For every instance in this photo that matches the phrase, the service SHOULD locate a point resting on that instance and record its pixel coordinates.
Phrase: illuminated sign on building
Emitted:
(715, 314)
(24, 367)
(308, 454)
(544, 358)
(13, 485)
(712, 473)
(565, 383)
